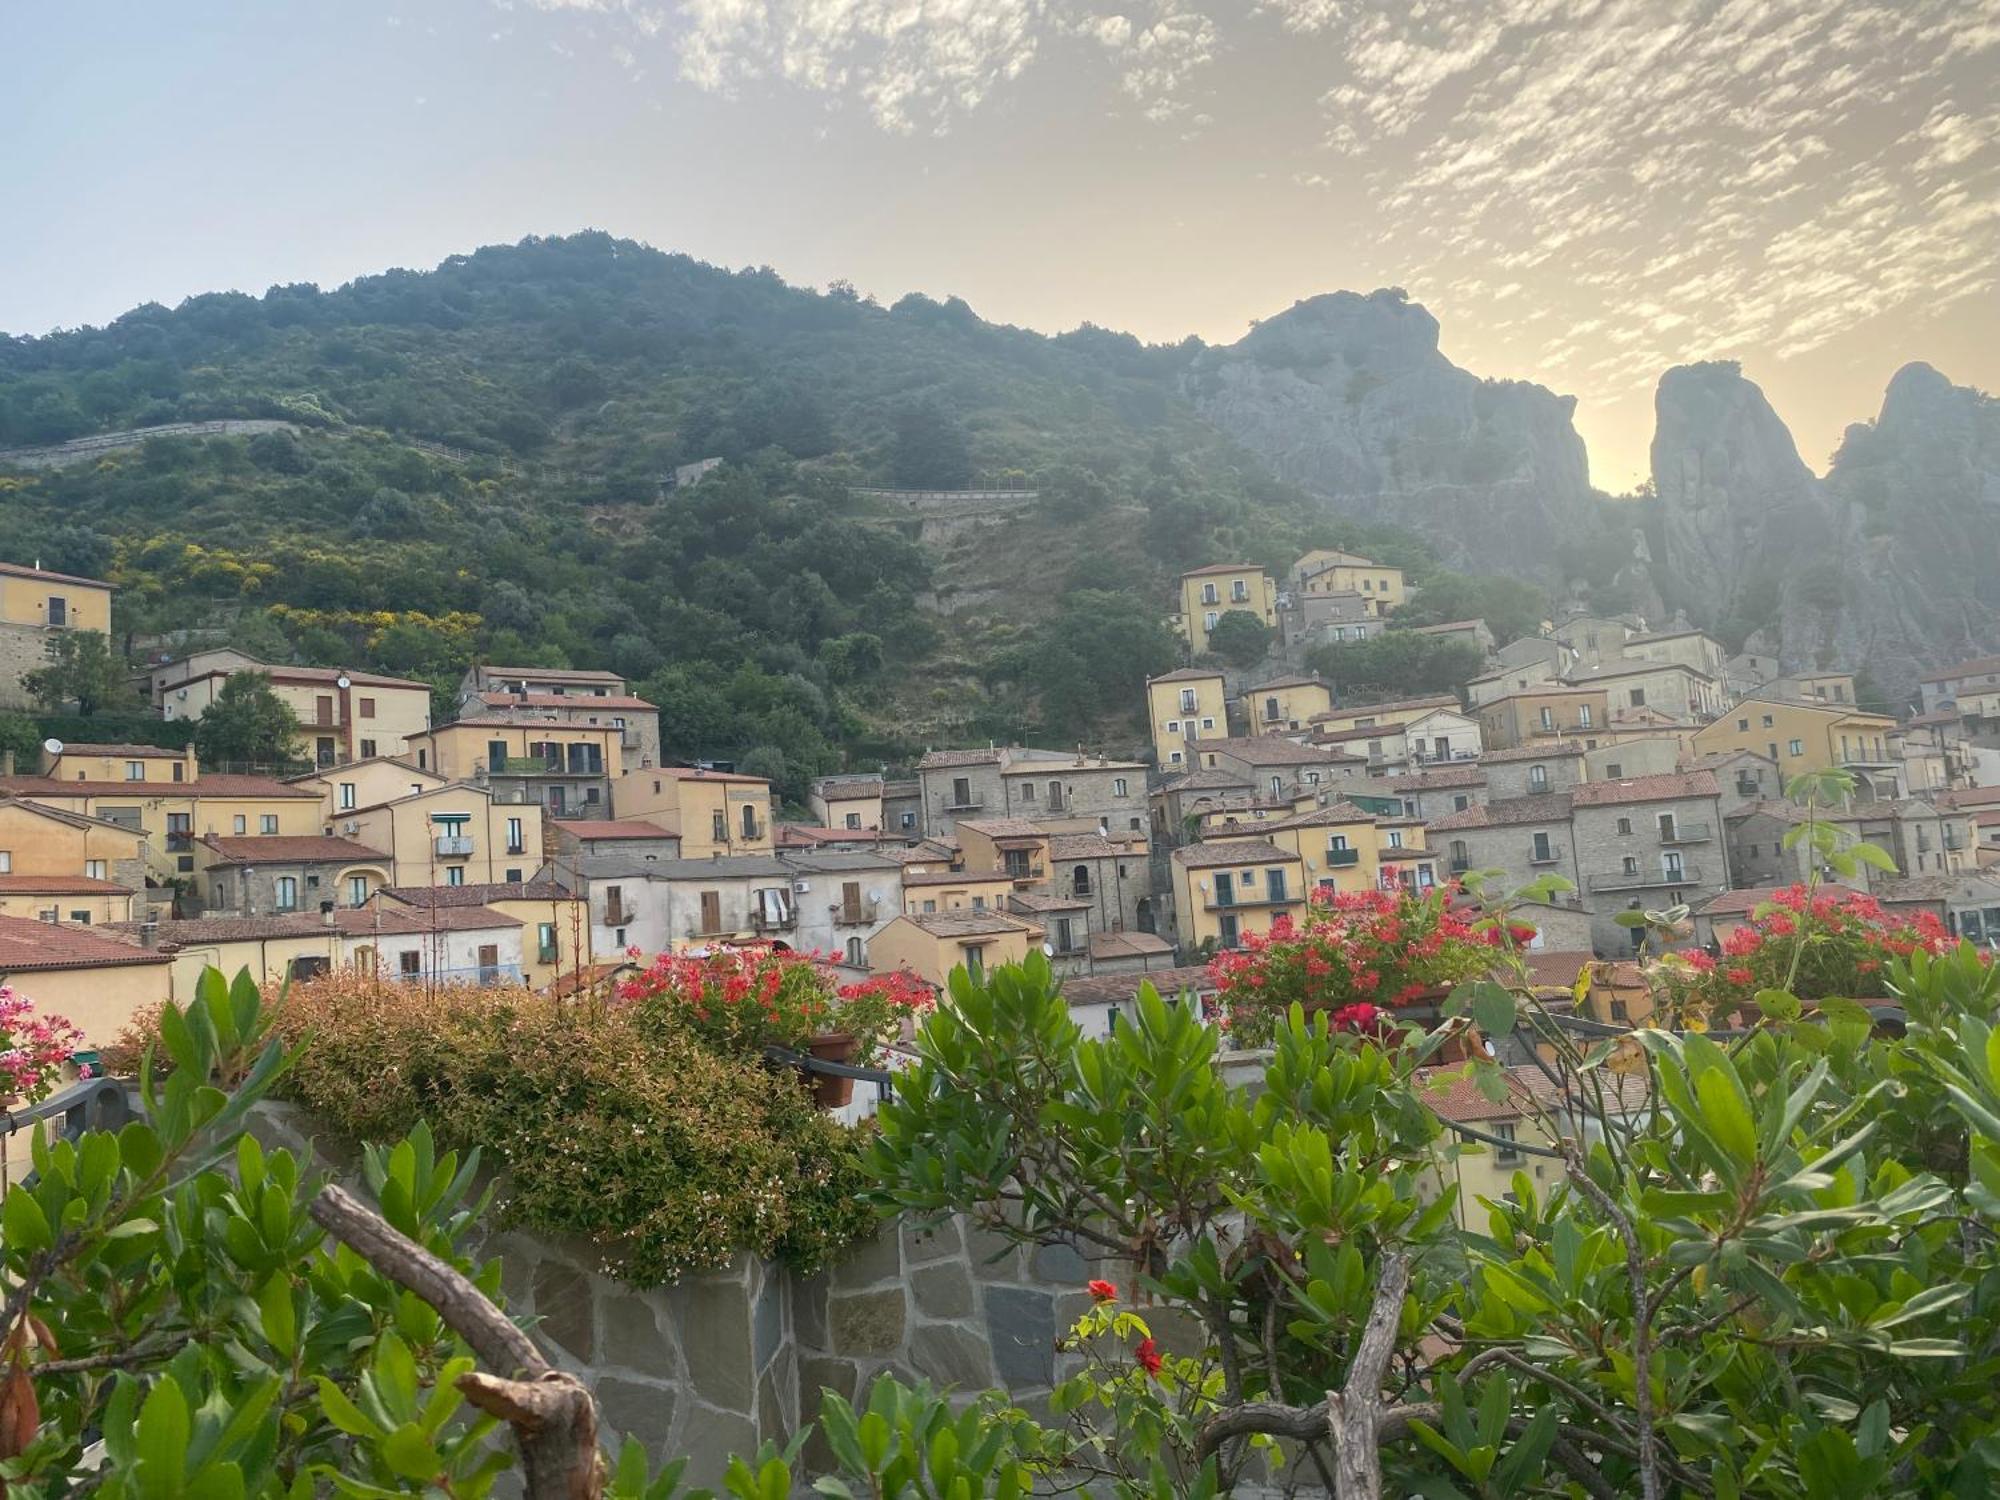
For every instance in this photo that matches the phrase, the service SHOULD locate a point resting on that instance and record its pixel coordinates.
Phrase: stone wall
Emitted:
(720, 1362)
(23, 649)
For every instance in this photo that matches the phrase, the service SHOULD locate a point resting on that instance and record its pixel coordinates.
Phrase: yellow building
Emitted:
(99, 982)
(173, 816)
(1186, 705)
(931, 945)
(365, 783)
(1227, 889)
(567, 767)
(53, 842)
(1327, 570)
(555, 923)
(956, 890)
(1541, 713)
(1349, 848)
(53, 601)
(1286, 703)
(65, 898)
(343, 715)
(458, 833)
(1395, 713)
(1802, 737)
(847, 802)
(152, 764)
(1207, 594)
(714, 812)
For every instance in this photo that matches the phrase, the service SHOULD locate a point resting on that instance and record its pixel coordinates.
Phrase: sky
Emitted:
(1585, 192)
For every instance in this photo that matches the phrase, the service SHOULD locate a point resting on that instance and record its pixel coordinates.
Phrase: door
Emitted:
(749, 820)
(850, 901)
(1666, 828)
(323, 750)
(496, 755)
(1231, 935)
(558, 801)
(58, 611)
(711, 911)
(323, 709)
(489, 963)
(1670, 866)
(1225, 890)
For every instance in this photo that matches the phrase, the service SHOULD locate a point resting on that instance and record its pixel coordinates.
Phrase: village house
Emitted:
(1646, 842)
(554, 922)
(903, 808)
(631, 838)
(1694, 649)
(1073, 790)
(1921, 838)
(451, 945)
(1475, 633)
(59, 865)
(1328, 570)
(1742, 777)
(567, 697)
(1236, 886)
(1540, 713)
(1648, 755)
(566, 767)
(1533, 769)
(1970, 692)
(455, 833)
(1190, 704)
(253, 876)
(1800, 737)
(1286, 703)
(1181, 803)
(1279, 767)
(1207, 594)
(1102, 1003)
(1396, 713)
(1314, 619)
(842, 899)
(983, 889)
(1668, 688)
(151, 764)
(99, 980)
(344, 715)
(851, 802)
(1590, 640)
(673, 904)
(364, 783)
(1521, 838)
(1420, 794)
(930, 945)
(34, 605)
(712, 812)
(1343, 847)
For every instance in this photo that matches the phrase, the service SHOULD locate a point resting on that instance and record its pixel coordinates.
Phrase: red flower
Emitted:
(1738, 975)
(1102, 1291)
(1148, 1358)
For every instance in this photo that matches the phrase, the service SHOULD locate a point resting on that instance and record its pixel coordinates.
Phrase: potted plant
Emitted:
(33, 1049)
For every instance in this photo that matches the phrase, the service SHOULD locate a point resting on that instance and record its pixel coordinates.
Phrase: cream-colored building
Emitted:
(1540, 713)
(1327, 570)
(79, 899)
(366, 783)
(567, 767)
(1228, 889)
(1286, 704)
(713, 812)
(847, 802)
(1207, 594)
(53, 601)
(926, 892)
(97, 980)
(256, 876)
(54, 846)
(343, 715)
(555, 922)
(1190, 704)
(1807, 737)
(931, 945)
(152, 764)
(458, 833)
(1383, 715)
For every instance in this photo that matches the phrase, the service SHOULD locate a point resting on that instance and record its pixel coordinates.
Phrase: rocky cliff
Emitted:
(1349, 397)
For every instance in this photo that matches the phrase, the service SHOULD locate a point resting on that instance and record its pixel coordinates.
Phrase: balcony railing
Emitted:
(857, 915)
(1685, 833)
(465, 974)
(1239, 901)
(1633, 880)
(973, 805)
(1458, 866)
(1024, 874)
(1547, 855)
(753, 830)
(617, 914)
(1340, 859)
(452, 846)
(784, 923)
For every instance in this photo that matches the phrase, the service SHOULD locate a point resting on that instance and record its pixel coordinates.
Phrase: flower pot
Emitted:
(830, 1091)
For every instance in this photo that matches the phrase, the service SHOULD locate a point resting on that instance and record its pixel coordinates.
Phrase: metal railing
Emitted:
(761, 923)
(853, 916)
(1632, 880)
(1238, 901)
(452, 846)
(464, 973)
(1685, 833)
(1341, 858)
(1547, 856)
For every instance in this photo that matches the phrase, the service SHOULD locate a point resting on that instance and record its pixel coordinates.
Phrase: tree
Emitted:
(1240, 638)
(247, 722)
(1511, 609)
(84, 670)
(1397, 663)
(930, 451)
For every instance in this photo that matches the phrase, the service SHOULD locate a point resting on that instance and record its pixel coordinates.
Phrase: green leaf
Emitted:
(1492, 1009)
(23, 1223)
(279, 1316)
(163, 1441)
(410, 1454)
(342, 1412)
(1779, 1005)
(1726, 1111)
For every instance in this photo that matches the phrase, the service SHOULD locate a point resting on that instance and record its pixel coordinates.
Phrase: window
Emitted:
(1274, 884)
(58, 610)
(1173, 726)
(718, 827)
(514, 838)
(1583, 716)
(1270, 708)
(1395, 838)
(855, 958)
(1118, 786)
(853, 820)
(180, 772)
(545, 942)
(1209, 594)
(1208, 723)
(288, 893)
(1065, 935)
(909, 819)
(1460, 802)
(267, 822)
(1079, 880)
(930, 906)
(749, 820)
(410, 963)
(357, 890)
(1797, 747)
(1624, 825)
(1208, 619)
(975, 966)
(961, 791)
(1239, 591)
(1743, 725)
(1548, 717)
(454, 875)
(367, 751)
(1668, 829)
(6, 861)
(1027, 791)
(1508, 1154)
(135, 770)
(1187, 700)
(1538, 778)
(1630, 865)
(1767, 721)
(365, 707)
(346, 794)
(513, 874)
(1638, 697)
(1174, 758)
(1542, 851)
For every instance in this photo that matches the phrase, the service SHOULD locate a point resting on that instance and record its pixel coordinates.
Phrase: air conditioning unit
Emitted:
(800, 887)
(351, 827)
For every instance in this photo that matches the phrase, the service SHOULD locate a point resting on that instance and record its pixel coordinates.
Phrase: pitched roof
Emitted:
(955, 877)
(1632, 667)
(599, 830)
(1394, 705)
(329, 676)
(968, 923)
(425, 897)
(812, 836)
(350, 921)
(1186, 674)
(1036, 901)
(552, 674)
(839, 861)
(1443, 626)
(1271, 750)
(60, 885)
(1554, 750)
(1333, 814)
(1203, 780)
(123, 751)
(1004, 828)
(1977, 666)
(581, 981)
(1094, 846)
(213, 784)
(16, 570)
(836, 788)
(1443, 778)
(1296, 679)
(1747, 899)
(1122, 989)
(1220, 855)
(27, 945)
(942, 760)
(1105, 945)
(288, 849)
(1662, 788)
(1508, 812)
(1222, 568)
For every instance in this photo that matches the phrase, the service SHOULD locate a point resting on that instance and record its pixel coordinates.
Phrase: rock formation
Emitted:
(1349, 397)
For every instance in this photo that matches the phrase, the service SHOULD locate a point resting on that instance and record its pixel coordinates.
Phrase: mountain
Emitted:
(1349, 397)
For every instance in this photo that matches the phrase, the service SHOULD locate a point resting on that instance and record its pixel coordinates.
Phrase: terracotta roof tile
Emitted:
(597, 829)
(1122, 989)
(1224, 853)
(1662, 788)
(1508, 812)
(26, 945)
(285, 849)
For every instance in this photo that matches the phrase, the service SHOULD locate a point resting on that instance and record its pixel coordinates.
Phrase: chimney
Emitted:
(326, 913)
(149, 933)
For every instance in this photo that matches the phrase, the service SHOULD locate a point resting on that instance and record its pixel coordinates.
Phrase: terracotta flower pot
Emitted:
(830, 1091)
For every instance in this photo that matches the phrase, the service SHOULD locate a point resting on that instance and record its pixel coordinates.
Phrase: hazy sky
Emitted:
(1583, 191)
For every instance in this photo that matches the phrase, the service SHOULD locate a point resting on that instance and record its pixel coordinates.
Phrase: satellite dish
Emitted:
(1048, 950)
(343, 681)
(53, 746)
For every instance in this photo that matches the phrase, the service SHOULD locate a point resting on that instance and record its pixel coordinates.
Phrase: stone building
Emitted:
(1646, 842)
(1049, 786)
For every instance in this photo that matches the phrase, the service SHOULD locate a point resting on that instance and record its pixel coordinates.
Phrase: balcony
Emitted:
(617, 914)
(1240, 902)
(974, 805)
(753, 831)
(1025, 874)
(1341, 859)
(858, 915)
(484, 974)
(785, 923)
(452, 846)
(1552, 854)
(1635, 880)
(1458, 867)
(629, 739)
(1685, 833)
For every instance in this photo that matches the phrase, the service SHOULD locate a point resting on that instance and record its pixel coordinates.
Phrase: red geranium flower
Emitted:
(1103, 1291)
(1148, 1358)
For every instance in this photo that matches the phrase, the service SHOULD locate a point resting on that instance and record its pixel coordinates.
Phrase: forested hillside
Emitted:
(478, 467)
